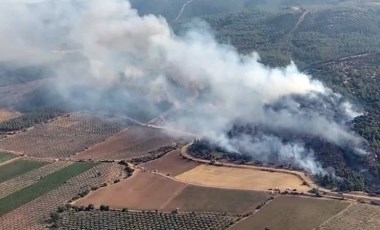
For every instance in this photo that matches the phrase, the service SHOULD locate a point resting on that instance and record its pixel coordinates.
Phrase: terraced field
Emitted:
(357, 216)
(132, 142)
(142, 220)
(64, 136)
(33, 214)
(296, 213)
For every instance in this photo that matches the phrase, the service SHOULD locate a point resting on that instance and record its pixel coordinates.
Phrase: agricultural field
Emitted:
(142, 191)
(141, 220)
(17, 168)
(205, 199)
(241, 178)
(4, 157)
(132, 142)
(63, 137)
(6, 114)
(24, 180)
(171, 164)
(357, 216)
(41, 187)
(296, 213)
(27, 215)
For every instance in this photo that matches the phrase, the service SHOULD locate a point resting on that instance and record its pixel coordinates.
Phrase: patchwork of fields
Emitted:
(168, 191)
(63, 137)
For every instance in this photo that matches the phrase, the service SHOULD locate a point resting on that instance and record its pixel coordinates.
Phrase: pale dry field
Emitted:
(142, 191)
(6, 114)
(239, 178)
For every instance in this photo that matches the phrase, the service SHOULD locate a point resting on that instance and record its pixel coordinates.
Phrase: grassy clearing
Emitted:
(17, 168)
(296, 213)
(42, 187)
(6, 157)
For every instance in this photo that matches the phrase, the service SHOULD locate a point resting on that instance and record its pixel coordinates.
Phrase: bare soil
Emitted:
(6, 114)
(129, 143)
(172, 164)
(204, 199)
(242, 178)
(142, 191)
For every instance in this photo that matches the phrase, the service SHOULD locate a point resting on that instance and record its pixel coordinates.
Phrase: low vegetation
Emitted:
(27, 215)
(97, 219)
(17, 168)
(41, 187)
(6, 157)
(357, 216)
(64, 136)
(294, 213)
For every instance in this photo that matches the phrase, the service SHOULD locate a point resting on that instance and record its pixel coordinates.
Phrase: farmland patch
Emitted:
(41, 187)
(6, 157)
(172, 164)
(196, 198)
(132, 220)
(142, 191)
(241, 178)
(357, 216)
(131, 142)
(62, 137)
(26, 215)
(17, 168)
(296, 213)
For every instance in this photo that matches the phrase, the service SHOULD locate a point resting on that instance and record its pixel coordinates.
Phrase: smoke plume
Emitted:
(101, 49)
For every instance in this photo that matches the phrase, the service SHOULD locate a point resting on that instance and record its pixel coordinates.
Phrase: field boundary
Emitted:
(350, 205)
(302, 175)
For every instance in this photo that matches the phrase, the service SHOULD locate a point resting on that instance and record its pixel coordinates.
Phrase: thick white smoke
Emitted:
(103, 43)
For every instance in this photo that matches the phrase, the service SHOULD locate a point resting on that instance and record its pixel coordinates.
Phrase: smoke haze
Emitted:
(105, 47)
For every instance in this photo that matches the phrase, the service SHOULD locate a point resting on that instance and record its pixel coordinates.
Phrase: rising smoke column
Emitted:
(102, 44)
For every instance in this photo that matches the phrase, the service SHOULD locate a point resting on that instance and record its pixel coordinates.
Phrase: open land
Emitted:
(41, 187)
(17, 168)
(205, 199)
(6, 114)
(26, 216)
(142, 191)
(294, 213)
(4, 157)
(241, 178)
(132, 142)
(62, 137)
(357, 216)
(172, 164)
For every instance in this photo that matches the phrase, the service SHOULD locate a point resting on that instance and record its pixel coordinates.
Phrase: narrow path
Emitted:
(182, 9)
(300, 20)
(326, 221)
(9, 161)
